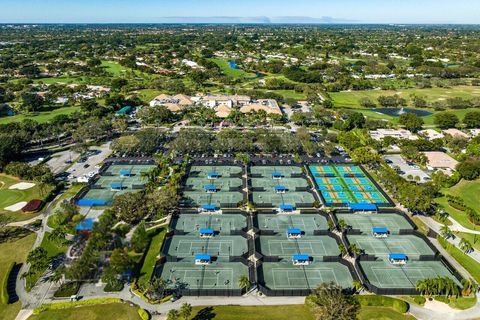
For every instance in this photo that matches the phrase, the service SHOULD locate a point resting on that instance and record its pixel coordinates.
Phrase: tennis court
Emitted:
(217, 275)
(346, 184)
(122, 178)
(267, 171)
(280, 246)
(280, 223)
(411, 245)
(365, 222)
(223, 184)
(285, 276)
(222, 171)
(269, 184)
(219, 246)
(192, 223)
(276, 199)
(383, 274)
(219, 199)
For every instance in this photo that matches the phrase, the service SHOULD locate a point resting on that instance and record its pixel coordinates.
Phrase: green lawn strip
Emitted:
(15, 250)
(463, 303)
(151, 256)
(281, 312)
(472, 266)
(468, 191)
(418, 300)
(382, 313)
(53, 250)
(474, 239)
(110, 311)
(40, 117)
(459, 216)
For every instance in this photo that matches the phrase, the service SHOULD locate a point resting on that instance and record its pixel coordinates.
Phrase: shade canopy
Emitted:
(380, 230)
(206, 231)
(301, 257)
(294, 231)
(397, 256)
(203, 257)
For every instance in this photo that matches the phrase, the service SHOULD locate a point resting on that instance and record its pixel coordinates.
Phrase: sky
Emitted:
(238, 11)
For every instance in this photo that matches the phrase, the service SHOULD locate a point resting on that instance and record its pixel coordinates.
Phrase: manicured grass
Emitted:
(474, 239)
(472, 266)
(9, 197)
(113, 311)
(147, 95)
(469, 192)
(422, 227)
(458, 215)
(225, 66)
(53, 248)
(61, 79)
(40, 117)
(381, 313)
(351, 99)
(16, 251)
(299, 96)
(463, 303)
(151, 257)
(114, 68)
(285, 312)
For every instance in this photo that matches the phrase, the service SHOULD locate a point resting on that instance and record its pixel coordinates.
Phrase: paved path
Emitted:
(428, 314)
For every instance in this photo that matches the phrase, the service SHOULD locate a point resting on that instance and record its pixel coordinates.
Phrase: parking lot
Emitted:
(405, 169)
(91, 163)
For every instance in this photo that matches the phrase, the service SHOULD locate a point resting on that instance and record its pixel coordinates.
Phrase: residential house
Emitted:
(403, 134)
(431, 134)
(437, 160)
(456, 133)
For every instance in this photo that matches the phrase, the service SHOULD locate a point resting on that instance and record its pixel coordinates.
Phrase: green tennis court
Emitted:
(223, 171)
(269, 184)
(191, 223)
(365, 222)
(133, 169)
(224, 184)
(266, 171)
(217, 275)
(285, 276)
(383, 274)
(410, 245)
(280, 246)
(279, 223)
(219, 246)
(277, 199)
(219, 199)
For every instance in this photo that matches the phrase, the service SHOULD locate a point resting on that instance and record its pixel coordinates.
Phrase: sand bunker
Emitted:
(16, 207)
(22, 186)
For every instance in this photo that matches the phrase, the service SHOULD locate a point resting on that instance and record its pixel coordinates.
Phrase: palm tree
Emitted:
(445, 232)
(422, 286)
(355, 249)
(173, 315)
(465, 245)
(186, 311)
(342, 225)
(357, 285)
(244, 282)
(343, 250)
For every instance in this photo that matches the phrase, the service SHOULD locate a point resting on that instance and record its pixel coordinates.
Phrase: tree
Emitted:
(130, 207)
(445, 232)
(330, 303)
(186, 311)
(465, 245)
(357, 285)
(173, 315)
(38, 259)
(469, 169)
(446, 120)
(244, 282)
(161, 201)
(411, 121)
(140, 238)
(472, 119)
(31, 101)
(354, 120)
(120, 261)
(365, 155)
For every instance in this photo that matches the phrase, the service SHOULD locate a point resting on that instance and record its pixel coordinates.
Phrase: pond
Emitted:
(396, 112)
(233, 64)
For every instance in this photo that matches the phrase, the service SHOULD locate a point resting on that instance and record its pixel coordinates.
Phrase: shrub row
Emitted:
(144, 315)
(382, 301)
(66, 305)
(4, 282)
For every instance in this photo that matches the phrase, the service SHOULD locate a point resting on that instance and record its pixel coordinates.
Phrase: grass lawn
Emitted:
(299, 96)
(40, 117)
(114, 68)
(151, 257)
(286, 312)
(351, 99)
(9, 197)
(15, 250)
(382, 313)
(53, 248)
(462, 303)
(472, 266)
(468, 191)
(61, 79)
(474, 239)
(113, 311)
(147, 95)
(458, 215)
(234, 73)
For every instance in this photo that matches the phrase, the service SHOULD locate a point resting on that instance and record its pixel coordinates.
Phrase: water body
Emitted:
(397, 112)
(233, 65)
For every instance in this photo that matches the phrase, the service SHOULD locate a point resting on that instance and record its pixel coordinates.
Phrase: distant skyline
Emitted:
(244, 11)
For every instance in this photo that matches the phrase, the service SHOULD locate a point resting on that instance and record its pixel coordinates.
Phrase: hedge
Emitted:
(382, 301)
(66, 305)
(144, 315)
(4, 282)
